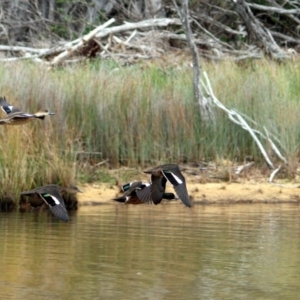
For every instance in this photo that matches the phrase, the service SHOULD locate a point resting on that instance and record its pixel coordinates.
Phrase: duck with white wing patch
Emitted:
(171, 173)
(50, 194)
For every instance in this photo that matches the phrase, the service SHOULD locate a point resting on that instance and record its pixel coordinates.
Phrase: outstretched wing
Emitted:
(178, 181)
(144, 194)
(56, 205)
(158, 187)
(6, 107)
(28, 193)
(131, 186)
(135, 192)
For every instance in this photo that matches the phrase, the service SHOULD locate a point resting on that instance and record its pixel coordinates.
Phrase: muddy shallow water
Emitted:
(116, 251)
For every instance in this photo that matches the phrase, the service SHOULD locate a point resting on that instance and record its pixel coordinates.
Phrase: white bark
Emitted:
(239, 120)
(203, 102)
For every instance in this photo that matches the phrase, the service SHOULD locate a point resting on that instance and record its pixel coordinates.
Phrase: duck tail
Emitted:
(120, 199)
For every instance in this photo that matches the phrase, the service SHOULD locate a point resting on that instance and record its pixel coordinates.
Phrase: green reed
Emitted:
(138, 116)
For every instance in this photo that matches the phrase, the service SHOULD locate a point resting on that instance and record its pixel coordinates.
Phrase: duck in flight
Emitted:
(171, 173)
(14, 116)
(138, 192)
(50, 194)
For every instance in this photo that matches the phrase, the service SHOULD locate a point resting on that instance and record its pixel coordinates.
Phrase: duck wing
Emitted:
(6, 107)
(20, 115)
(158, 187)
(131, 186)
(175, 177)
(56, 204)
(144, 194)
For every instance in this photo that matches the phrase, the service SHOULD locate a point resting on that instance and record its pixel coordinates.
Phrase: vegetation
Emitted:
(238, 23)
(136, 116)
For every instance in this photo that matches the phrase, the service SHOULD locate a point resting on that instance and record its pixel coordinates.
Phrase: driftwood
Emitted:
(69, 51)
(274, 173)
(233, 31)
(260, 33)
(22, 22)
(243, 168)
(60, 53)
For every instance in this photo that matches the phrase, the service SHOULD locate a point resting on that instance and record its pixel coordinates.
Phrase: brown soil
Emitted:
(240, 191)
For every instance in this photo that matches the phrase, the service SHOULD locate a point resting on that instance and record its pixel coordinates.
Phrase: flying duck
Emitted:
(50, 194)
(138, 192)
(14, 116)
(171, 173)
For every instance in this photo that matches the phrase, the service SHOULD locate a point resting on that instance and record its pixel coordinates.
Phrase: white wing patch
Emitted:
(55, 200)
(179, 181)
(10, 107)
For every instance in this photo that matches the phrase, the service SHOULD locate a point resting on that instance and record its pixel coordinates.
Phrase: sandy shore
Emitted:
(208, 193)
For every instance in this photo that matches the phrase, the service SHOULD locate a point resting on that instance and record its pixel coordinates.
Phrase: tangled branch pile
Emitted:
(233, 29)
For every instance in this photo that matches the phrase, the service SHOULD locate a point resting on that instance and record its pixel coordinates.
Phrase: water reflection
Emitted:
(152, 252)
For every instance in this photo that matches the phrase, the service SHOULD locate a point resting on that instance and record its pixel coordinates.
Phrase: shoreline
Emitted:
(206, 193)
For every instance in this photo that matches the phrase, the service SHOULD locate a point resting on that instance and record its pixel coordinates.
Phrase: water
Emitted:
(152, 252)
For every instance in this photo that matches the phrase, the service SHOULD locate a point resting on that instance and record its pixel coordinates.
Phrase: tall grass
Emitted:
(137, 115)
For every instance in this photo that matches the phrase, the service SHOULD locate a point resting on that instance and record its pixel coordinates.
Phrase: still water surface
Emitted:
(152, 252)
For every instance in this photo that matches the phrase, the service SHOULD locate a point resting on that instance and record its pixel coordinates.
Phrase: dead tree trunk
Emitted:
(204, 103)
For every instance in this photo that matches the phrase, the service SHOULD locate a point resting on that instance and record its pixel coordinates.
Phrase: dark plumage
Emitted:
(50, 194)
(138, 192)
(159, 177)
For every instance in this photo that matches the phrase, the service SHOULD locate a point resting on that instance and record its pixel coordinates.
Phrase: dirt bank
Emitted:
(244, 191)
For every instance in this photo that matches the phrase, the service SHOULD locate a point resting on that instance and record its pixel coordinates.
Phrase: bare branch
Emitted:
(204, 104)
(260, 33)
(274, 173)
(274, 9)
(83, 40)
(239, 120)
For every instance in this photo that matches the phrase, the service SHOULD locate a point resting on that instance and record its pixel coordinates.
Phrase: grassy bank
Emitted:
(137, 115)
